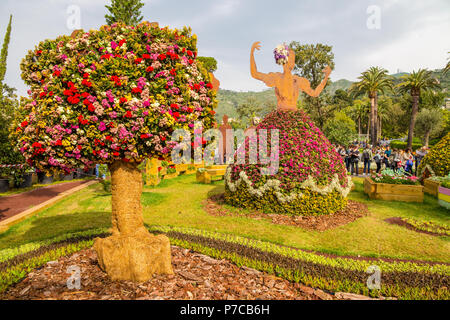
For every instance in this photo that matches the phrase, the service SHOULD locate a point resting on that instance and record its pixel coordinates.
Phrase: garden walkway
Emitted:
(17, 203)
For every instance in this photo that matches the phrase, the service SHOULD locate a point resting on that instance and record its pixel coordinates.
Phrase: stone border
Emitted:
(5, 224)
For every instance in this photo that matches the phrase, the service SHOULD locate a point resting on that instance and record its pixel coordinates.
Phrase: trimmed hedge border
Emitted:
(401, 279)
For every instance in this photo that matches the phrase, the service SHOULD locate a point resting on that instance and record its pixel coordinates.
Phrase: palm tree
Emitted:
(414, 83)
(373, 81)
(384, 112)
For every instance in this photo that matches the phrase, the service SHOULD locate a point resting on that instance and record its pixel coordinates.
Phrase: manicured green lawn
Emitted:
(178, 202)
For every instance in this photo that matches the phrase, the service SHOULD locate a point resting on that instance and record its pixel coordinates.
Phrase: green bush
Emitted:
(402, 145)
(106, 185)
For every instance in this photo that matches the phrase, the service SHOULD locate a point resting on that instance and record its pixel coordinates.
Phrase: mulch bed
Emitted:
(400, 222)
(197, 277)
(214, 205)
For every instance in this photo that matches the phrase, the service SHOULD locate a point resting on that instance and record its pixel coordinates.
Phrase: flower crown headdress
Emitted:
(281, 54)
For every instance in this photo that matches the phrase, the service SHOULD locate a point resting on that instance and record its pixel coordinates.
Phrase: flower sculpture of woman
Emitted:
(312, 178)
(287, 86)
(115, 96)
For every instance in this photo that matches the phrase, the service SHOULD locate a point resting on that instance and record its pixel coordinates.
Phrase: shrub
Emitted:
(437, 161)
(340, 129)
(311, 179)
(403, 144)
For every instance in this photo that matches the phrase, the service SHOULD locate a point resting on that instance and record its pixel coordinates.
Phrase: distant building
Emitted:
(447, 103)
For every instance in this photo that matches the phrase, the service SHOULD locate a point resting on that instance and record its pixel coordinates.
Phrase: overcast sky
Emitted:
(413, 33)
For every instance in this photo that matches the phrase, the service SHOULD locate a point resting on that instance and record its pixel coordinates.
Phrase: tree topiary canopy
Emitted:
(111, 94)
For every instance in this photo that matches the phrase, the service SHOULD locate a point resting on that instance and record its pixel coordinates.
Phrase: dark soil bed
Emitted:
(215, 205)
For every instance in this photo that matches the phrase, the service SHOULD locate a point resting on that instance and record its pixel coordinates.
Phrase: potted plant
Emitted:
(4, 179)
(171, 173)
(43, 178)
(22, 176)
(163, 170)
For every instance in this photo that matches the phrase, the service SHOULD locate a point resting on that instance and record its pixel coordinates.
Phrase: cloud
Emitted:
(413, 33)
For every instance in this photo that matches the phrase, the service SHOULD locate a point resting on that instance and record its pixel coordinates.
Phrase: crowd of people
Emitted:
(382, 156)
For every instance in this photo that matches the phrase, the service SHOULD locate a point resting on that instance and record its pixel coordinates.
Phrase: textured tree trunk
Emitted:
(373, 120)
(359, 127)
(131, 253)
(379, 129)
(412, 123)
(368, 127)
(426, 139)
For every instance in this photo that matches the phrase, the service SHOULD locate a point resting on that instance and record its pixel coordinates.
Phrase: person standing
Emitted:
(367, 158)
(378, 158)
(354, 159)
(387, 154)
(418, 157)
(348, 157)
(409, 165)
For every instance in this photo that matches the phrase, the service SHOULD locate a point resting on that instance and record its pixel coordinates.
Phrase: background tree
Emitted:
(414, 83)
(373, 81)
(250, 109)
(209, 63)
(359, 112)
(428, 121)
(4, 54)
(385, 104)
(126, 11)
(310, 60)
(340, 129)
(115, 105)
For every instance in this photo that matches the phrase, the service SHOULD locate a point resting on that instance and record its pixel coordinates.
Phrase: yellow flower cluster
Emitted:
(437, 161)
(310, 204)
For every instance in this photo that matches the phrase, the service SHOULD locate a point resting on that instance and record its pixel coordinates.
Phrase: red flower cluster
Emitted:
(37, 148)
(73, 97)
(81, 120)
(116, 80)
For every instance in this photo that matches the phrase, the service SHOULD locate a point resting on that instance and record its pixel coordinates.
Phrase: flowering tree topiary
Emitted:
(311, 180)
(114, 96)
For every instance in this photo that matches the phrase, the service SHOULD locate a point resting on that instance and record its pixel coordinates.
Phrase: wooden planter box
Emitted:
(193, 171)
(181, 167)
(170, 176)
(393, 192)
(444, 197)
(431, 187)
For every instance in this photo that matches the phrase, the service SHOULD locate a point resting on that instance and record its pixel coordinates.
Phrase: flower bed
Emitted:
(400, 278)
(395, 192)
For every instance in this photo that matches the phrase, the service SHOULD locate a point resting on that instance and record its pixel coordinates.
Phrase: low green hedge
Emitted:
(402, 145)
